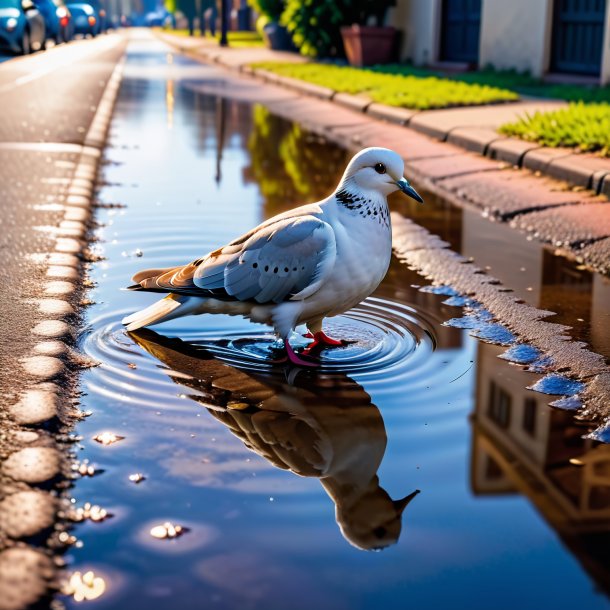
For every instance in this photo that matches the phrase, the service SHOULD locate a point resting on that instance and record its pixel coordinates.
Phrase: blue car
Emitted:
(85, 18)
(22, 28)
(58, 20)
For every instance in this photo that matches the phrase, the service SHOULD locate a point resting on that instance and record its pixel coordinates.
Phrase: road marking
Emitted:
(64, 57)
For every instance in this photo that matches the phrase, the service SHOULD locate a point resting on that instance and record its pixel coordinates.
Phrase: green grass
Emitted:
(236, 39)
(519, 82)
(407, 91)
(580, 125)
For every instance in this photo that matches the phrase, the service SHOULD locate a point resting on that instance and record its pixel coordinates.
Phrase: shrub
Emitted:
(269, 8)
(315, 25)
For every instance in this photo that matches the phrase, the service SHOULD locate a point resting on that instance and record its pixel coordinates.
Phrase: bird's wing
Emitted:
(286, 259)
(289, 259)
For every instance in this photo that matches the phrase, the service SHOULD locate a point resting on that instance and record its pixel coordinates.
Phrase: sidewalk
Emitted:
(471, 165)
(473, 128)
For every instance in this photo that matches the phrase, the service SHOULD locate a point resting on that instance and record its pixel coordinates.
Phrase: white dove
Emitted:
(299, 267)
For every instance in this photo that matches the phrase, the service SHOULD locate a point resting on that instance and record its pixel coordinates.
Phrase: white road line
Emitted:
(66, 57)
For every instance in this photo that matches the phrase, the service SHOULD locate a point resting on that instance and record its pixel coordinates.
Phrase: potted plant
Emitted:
(275, 35)
(365, 44)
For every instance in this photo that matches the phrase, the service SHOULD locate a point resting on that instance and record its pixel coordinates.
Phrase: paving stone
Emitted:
(35, 407)
(32, 464)
(355, 102)
(26, 513)
(510, 150)
(508, 192)
(579, 169)
(454, 165)
(439, 123)
(572, 225)
(538, 159)
(402, 116)
(25, 577)
(476, 139)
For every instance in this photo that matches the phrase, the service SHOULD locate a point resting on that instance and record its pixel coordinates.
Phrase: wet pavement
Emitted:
(48, 101)
(285, 482)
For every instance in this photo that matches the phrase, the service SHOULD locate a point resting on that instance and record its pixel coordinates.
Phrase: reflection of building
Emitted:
(544, 36)
(521, 446)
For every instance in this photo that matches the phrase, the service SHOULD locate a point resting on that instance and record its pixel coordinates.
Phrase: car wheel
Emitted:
(26, 47)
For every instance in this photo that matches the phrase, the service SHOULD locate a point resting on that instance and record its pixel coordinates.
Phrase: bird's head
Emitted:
(379, 170)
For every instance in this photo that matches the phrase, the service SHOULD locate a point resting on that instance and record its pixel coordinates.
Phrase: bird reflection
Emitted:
(327, 429)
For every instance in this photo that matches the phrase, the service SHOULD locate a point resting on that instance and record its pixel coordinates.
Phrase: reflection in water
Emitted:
(328, 430)
(521, 446)
(290, 164)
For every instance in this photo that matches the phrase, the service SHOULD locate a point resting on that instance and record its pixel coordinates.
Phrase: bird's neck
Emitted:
(351, 197)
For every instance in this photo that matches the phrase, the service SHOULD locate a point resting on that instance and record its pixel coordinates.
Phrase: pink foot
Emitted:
(295, 359)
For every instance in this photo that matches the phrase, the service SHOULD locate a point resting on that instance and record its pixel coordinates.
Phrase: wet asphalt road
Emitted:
(47, 103)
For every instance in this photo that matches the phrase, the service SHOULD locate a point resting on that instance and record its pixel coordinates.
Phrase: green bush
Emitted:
(315, 25)
(580, 125)
(270, 8)
(392, 89)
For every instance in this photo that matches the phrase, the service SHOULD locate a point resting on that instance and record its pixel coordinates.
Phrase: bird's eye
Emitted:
(380, 168)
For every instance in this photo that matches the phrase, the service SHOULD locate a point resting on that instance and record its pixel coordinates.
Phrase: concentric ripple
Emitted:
(387, 340)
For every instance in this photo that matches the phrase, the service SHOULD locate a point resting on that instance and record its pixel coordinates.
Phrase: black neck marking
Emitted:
(350, 200)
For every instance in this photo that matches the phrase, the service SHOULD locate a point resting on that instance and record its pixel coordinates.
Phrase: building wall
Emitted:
(419, 23)
(605, 75)
(516, 34)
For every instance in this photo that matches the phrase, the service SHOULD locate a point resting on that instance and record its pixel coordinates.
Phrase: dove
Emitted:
(299, 267)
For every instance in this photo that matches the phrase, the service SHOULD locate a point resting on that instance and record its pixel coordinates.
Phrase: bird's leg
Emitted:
(320, 338)
(295, 359)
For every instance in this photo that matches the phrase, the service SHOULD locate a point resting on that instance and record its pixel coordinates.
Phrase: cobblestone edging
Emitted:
(31, 457)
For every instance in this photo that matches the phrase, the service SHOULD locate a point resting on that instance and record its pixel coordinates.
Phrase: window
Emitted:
(499, 405)
(529, 416)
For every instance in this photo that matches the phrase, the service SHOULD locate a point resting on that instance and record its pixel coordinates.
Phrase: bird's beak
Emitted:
(407, 189)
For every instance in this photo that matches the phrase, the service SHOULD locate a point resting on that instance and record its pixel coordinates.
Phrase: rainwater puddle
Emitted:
(285, 482)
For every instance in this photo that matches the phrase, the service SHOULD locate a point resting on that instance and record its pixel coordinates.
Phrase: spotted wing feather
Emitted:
(288, 259)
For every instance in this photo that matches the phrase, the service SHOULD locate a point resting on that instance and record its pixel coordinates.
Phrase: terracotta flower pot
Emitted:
(368, 45)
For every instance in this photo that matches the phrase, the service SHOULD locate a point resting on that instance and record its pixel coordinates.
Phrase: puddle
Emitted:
(282, 485)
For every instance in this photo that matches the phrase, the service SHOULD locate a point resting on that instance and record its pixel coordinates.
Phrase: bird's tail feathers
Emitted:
(172, 306)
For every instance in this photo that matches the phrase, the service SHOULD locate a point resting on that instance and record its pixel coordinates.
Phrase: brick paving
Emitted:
(439, 159)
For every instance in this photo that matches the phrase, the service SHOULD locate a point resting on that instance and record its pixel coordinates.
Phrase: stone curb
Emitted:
(583, 170)
(27, 511)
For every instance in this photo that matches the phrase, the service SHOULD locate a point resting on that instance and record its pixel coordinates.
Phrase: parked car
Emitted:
(58, 20)
(22, 27)
(85, 18)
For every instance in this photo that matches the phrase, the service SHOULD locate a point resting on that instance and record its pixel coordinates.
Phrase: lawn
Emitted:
(518, 82)
(235, 39)
(407, 91)
(580, 125)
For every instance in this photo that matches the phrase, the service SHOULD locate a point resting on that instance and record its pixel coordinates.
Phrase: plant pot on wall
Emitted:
(276, 37)
(367, 45)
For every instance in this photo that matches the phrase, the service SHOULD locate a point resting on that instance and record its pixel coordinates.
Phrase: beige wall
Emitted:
(516, 34)
(605, 75)
(419, 23)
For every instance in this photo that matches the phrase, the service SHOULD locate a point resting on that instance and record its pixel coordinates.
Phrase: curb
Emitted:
(581, 170)
(28, 573)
